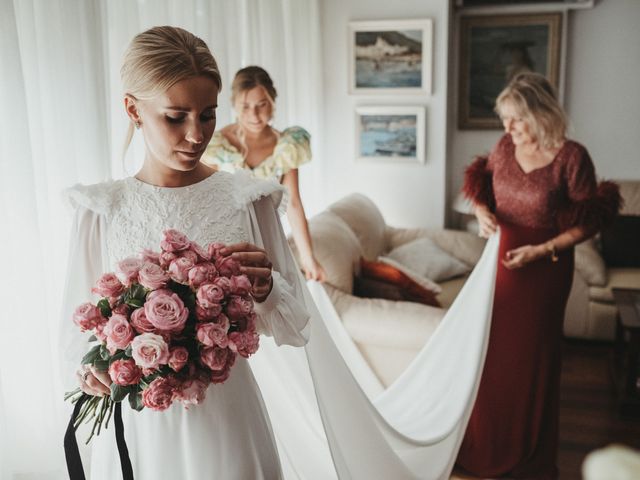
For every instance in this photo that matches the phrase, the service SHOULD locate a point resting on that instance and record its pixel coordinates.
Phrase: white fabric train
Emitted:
(413, 429)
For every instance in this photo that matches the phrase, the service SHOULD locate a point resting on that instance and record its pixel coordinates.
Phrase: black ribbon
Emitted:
(72, 454)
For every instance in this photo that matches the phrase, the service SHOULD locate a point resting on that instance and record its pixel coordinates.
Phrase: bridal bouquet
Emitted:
(167, 325)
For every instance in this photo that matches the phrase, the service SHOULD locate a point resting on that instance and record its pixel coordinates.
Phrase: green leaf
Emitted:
(104, 307)
(92, 338)
(135, 400)
(118, 356)
(118, 392)
(91, 355)
(135, 303)
(104, 353)
(101, 365)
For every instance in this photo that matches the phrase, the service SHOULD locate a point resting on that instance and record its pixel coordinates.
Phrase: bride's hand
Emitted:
(255, 264)
(93, 382)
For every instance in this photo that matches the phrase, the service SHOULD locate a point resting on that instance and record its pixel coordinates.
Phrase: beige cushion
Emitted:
(336, 248)
(366, 221)
(465, 246)
(450, 290)
(630, 192)
(426, 259)
(618, 278)
(590, 264)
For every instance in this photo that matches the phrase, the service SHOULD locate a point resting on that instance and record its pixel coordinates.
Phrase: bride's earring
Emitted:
(137, 124)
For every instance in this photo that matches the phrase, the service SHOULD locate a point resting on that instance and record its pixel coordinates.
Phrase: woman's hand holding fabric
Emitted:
(486, 220)
(313, 270)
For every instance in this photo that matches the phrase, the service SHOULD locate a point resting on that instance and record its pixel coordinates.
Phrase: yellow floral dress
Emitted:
(292, 150)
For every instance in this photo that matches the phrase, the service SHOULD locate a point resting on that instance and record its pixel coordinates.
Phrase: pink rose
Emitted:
(214, 357)
(240, 285)
(122, 309)
(99, 332)
(189, 255)
(152, 276)
(119, 333)
(209, 295)
(149, 256)
(214, 334)
(206, 314)
(214, 250)
(149, 350)
(179, 269)
(220, 376)
(174, 241)
(191, 392)
(125, 372)
(203, 255)
(166, 311)
(108, 285)
(238, 307)
(166, 258)
(178, 357)
(127, 270)
(87, 316)
(139, 321)
(244, 343)
(227, 266)
(159, 394)
(202, 273)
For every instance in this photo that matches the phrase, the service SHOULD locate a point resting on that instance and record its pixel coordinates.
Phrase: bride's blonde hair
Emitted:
(158, 58)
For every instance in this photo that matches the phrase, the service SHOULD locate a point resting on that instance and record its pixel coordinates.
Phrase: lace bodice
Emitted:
(136, 213)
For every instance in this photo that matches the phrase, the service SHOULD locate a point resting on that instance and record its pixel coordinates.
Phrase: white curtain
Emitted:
(63, 123)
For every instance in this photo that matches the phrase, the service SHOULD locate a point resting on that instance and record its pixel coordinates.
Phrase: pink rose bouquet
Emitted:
(167, 325)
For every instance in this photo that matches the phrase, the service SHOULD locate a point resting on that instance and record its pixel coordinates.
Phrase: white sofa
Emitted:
(388, 333)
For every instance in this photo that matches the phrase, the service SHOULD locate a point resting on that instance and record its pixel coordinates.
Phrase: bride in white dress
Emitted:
(171, 85)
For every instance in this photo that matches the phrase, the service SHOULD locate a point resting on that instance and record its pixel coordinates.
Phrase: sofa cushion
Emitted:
(366, 221)
(426, 259)
(621, 241)
(336, 248)
(450, 290)
(590, 264)
(380, 280)
(618, 278)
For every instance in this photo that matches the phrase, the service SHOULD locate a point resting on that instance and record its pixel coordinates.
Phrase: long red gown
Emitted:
(513, 429)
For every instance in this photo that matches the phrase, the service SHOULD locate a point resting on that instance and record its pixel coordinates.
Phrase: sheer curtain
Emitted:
(63, 123)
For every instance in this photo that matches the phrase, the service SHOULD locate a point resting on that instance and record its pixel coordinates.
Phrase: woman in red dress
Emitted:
(540, 189)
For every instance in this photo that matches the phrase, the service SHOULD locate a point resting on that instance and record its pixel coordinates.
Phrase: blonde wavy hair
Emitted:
(246, 79)
(158, 58)
(536, 101)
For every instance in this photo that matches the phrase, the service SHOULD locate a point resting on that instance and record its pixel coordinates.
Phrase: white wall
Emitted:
(602, 94)
(407, 194)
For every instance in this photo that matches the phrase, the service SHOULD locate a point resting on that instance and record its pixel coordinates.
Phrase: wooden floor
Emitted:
(588, 416)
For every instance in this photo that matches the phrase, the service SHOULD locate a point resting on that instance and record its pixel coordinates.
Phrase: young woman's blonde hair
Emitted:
(246, 79)
(535, 100)
(158, 58)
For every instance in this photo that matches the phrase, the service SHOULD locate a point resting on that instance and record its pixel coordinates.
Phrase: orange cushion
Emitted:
(381, 280)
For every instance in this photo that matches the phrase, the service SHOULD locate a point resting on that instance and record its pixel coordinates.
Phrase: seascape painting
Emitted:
(392, 136)
(390, 56)
(390, 59)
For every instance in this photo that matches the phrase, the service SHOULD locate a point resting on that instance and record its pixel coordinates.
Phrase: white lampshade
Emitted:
(463, 205)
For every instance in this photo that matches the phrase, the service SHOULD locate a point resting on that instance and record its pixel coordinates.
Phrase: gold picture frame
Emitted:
(493, 48)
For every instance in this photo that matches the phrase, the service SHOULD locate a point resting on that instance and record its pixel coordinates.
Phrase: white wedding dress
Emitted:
(229, 436)
(331, 418)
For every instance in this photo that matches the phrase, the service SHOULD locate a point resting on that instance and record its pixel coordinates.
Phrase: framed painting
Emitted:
(493, 49)
(390, 57)
(390, 134)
